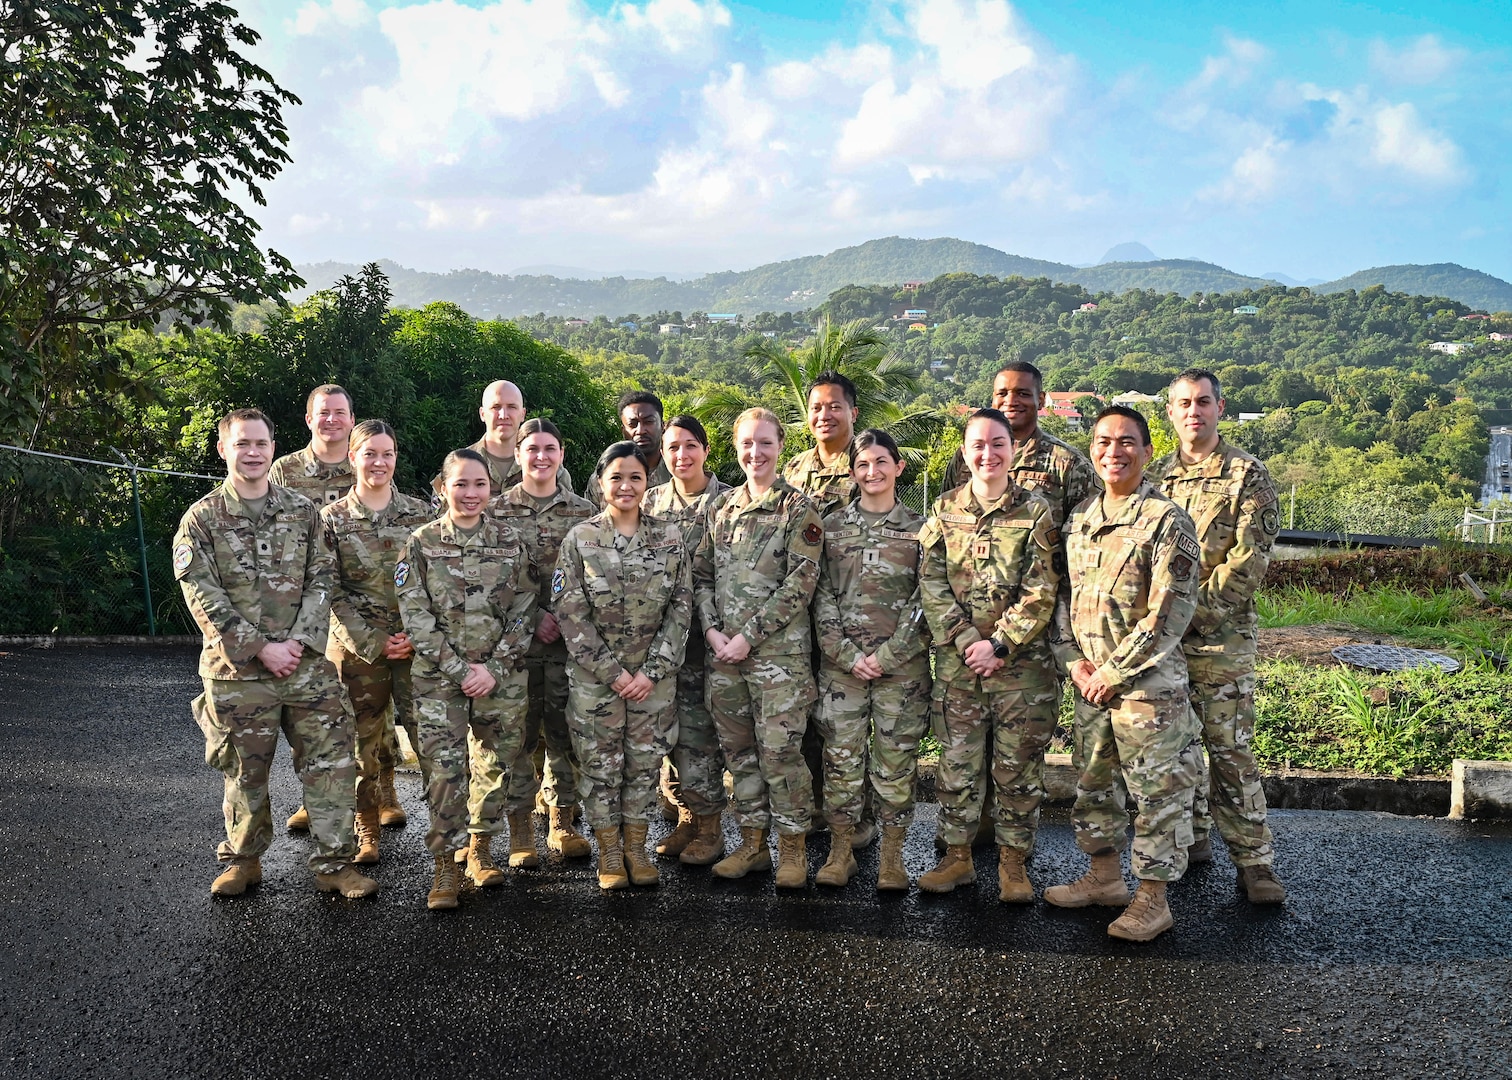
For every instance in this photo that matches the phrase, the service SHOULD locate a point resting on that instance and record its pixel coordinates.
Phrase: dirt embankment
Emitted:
(1420, 570)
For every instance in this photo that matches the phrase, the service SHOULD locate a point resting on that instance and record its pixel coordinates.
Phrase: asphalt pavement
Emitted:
(1393, 956)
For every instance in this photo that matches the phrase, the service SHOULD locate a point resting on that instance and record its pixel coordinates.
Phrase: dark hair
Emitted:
(1193, 374)
(1128, 413)
(1026, 368)
(638, 397)
(367, 429)
(328, 389)
(834, 378)
(692, 425)
(456, 457)
(538, 425)
(622, 449)
(246, 416)
(995, 415)
(865, 440)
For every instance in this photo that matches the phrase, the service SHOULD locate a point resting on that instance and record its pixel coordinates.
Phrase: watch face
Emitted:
(1000, 650)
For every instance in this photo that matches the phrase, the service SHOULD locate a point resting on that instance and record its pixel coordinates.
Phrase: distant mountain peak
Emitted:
(1131, 252)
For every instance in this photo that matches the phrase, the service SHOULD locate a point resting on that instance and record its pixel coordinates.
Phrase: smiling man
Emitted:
(502, 412)
(824, 472)
(321, 472)
(1229, 496)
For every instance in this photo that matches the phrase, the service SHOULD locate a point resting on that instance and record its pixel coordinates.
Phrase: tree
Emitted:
(132, 131)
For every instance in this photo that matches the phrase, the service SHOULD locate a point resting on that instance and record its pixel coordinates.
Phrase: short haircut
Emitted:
(691, 425)
(995, 415)
(454, 460)
(367, 429)
(1128, 413)
(1196, 374)
(329, 389)
(246, 416)
(865, 440)
(538, 425)
(1026, 368)
(622, 449)
(834, 378)
(639, 397)
(760, 415)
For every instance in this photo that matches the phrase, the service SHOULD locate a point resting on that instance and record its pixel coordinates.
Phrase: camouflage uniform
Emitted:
(319, 481)
(829, 487)
(1133, 591)
(991, 572)
(504, 473)
(542, 524)
(466, 599)
(1229, 496)
(364, 612)
(868, 602)
(1042, 463)
(697, 762)
(754, 574)
(593, 490)
(248, 582)
(625, 603)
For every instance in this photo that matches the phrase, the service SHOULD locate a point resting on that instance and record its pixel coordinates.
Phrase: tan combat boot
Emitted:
(707, 845)
(1261, 885)
(298, 821)
(954, 869)
(752, 854)
(443, 892)
(678, 839)
(863, 834)
(1103, 883)
(1146, 917)
(522, 849)
(638, 864)
(237, 877)
(481, 869)
(1013, 880)
(840, 867)
(792, 860)
(390, 813)
(563, 838)
(611, 868)
(348, 881)
(670, 811)
(892, 875)
(367, 837)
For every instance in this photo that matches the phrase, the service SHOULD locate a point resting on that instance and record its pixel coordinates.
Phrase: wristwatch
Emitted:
(1000, 649)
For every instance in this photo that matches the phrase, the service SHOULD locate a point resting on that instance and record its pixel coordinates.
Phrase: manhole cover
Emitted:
(1392, 658)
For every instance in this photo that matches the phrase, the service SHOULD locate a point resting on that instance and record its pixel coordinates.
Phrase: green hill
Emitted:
(1435, 279)
(1181, 276)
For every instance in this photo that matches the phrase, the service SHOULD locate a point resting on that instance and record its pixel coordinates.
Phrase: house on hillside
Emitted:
(912, 286)
(723, 317)
(1132, 398)
(1501, 337)
(1246, 309)
(671, 328)
(917, 326)
(575, 324)
(915, 313)
(1448, 347)
(1473, 316)
(1088, 306)
(629, 326)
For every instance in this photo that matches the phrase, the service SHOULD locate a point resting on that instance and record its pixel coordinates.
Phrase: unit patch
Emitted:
(401, 573)
(558, 583)
(1181, 567)
(813, 534)
(1270, 520)
(183, 555)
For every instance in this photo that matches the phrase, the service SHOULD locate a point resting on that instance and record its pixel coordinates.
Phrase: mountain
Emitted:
(1435, 279)
(1291, 282)
(1131, 252)
(1184, 276)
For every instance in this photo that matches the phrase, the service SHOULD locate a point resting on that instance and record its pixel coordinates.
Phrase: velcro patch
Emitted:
(558, 583)
(981, 549)
(183, 555)
(1270, 520)
(401, 574)
(813, 534)
(1188, 545)
(1181, 567)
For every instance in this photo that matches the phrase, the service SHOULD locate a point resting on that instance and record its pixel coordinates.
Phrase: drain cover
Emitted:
(1392, 658)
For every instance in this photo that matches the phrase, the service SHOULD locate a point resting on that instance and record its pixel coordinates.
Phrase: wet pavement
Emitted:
(1393, 956)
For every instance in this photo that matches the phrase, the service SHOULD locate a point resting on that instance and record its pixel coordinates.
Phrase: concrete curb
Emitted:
(1481, 789)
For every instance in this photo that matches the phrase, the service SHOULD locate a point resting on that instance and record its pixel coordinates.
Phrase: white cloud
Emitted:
(314, 17)
(1402, 141)
(1425, 60)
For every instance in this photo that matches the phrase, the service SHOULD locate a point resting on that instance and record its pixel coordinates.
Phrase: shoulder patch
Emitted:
(1270, 520)
(558, 583)
(813, 534)
(1181, 567)
(401, 573)
(183, 555)
(1189, 546)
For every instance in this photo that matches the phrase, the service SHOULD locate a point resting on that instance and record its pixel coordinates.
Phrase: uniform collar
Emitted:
(272, 503)
(774, 495)
(1128, 513)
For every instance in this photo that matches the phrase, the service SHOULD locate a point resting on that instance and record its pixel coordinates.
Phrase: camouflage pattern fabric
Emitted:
(466, 599)
(594, 493)
(1043, 463)
(544, 524)
(829, 487)
(990, 571)
(867, 602)
(503, 473)
(1232, 502)
(1133, 567)
(697, 774)
(322, 482)
(754, 574)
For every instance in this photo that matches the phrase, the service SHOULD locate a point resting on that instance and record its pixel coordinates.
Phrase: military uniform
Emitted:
(250, 580)
(625, 604)
(754, 574)
(1043, 463)
(364, 612)
(504, 473)
(542, 524)
(1133, 590)
(867, 602)
(1229, 496)
(466, 599)
(991, 571)
(593, 490)
(322, 482)
(698, 763)
(829, 487)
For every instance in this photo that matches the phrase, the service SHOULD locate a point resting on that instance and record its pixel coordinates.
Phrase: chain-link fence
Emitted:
(85, 545)
(1376, 513)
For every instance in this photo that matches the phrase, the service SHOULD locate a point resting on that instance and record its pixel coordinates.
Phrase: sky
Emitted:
(687, 136)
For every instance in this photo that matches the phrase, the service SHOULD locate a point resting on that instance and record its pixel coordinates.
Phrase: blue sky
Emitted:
(1313, 139)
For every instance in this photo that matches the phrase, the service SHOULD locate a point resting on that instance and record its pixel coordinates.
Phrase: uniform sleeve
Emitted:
(949, 622)
(351, 628)
(1156, 638)
(417, 612)
(1232, 583)
(313, 624)
(671, 641)
(703, 573)
(519, 619)
(238, 640)
(911, 637)
(278, 473)
(1061, 635)
(593, 491)
(805, 544)
(1081, 481)
(956, 473)
(564, 480)
(828, 622)
(1039, 582)
(584, 643)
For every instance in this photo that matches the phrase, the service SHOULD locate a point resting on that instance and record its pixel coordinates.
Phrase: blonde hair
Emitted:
(760, 415)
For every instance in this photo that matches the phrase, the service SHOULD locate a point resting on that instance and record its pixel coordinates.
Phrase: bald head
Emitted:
(502, 411)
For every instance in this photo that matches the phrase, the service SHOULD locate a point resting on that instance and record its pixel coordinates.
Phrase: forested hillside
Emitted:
(1438, 279)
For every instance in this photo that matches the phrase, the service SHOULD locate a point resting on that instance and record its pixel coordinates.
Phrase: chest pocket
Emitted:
(601, 571)
(359, 563)
(290, 530)
(1122, 573)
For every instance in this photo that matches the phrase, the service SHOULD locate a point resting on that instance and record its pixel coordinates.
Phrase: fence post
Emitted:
(926, 492)
(1291, 518)
(136, 501)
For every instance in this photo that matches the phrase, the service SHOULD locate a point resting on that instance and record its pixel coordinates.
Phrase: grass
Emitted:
(1451, 619)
